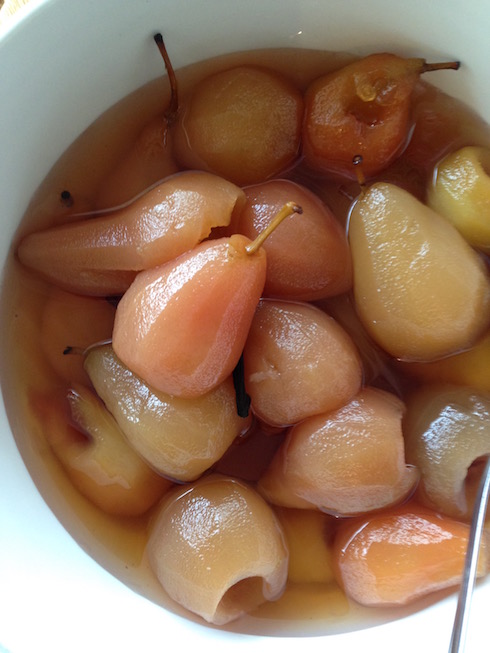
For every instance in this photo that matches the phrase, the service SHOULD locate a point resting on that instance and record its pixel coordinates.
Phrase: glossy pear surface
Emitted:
(420, 290)
(100, 255)
(182, 326)
(361, 109)
(461, 193)
(180, 438)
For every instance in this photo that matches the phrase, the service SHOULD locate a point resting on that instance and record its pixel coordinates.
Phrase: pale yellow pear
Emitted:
(460, 192)
(179, 438)
(420, 290)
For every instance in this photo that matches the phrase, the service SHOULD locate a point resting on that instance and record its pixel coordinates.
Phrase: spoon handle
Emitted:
(469, 574)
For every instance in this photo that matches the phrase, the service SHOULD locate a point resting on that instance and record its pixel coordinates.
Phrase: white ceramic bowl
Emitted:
(62, 63)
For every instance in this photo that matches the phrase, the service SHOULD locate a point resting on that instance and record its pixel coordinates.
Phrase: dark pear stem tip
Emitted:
(445, 65)
(66, 198)
(173, 106)
(78, 351)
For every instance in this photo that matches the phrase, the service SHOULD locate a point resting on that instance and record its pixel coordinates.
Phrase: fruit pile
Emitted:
(236, 307)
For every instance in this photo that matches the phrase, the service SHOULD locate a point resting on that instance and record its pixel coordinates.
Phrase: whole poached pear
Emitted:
(101, 254)
(182, 326)
(420, 290)
(362, 109)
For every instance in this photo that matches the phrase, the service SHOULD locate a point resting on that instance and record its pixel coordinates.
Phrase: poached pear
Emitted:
(182, 326)
(179, 438)
(461, 193)
(101, 255)
(421, 291)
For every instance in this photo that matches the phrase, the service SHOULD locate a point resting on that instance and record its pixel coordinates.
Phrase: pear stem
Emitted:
(80, 351)
(445, 65)
(173, 106)
(288, 209)
(66, 198)
(357, 163)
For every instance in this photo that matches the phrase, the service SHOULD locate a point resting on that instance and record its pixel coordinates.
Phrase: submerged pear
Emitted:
(421, 291)
(180, 438)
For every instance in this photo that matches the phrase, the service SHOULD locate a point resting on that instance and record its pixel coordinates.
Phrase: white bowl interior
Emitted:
(63, 64)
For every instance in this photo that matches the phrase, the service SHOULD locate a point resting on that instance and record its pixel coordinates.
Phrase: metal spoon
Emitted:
(461, 619)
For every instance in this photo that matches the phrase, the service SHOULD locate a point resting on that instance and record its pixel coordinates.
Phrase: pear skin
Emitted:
(420, 290)
(461, 193)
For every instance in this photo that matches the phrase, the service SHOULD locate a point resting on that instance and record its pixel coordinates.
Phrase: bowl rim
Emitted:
(40, 562)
